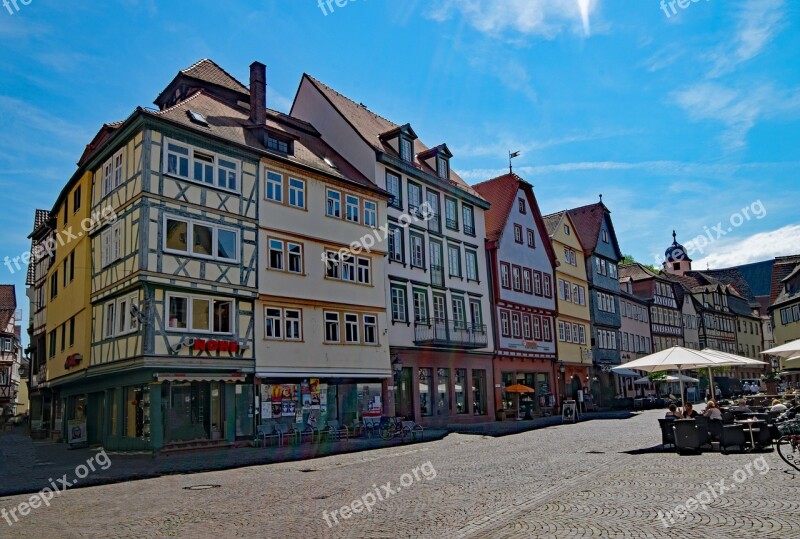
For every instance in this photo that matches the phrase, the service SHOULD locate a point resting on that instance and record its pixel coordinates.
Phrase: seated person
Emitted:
(688, 413)
(742, 407)
(712, 411)
(777, 406)
(672, 413)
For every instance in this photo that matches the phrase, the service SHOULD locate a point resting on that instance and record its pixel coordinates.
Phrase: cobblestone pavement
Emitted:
(593, 479)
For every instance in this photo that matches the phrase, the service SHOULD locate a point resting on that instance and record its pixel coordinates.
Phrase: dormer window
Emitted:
(405, 150)
(443, 168)
(279, 145)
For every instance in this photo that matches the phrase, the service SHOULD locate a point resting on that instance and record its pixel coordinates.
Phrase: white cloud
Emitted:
(507, 142)
(757, 23)
(738, 110)
(761, 246)
(544, 18)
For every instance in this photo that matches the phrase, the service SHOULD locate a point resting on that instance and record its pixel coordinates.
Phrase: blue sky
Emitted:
(680, 119)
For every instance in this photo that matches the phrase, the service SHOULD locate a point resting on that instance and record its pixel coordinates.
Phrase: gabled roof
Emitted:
(637, 272)
(733, 277)
(501, 192)
(782, 268)
(8, 304)
(551, 222)
(233, 124)
(208, 71)
(758, 276)
(587, 221)
(374, 129)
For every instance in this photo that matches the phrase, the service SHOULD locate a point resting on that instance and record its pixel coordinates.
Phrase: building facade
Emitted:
(635, 334)
(602, 253)
(784, 311)
(437, 291)
(521, 264)
(573, 325)
(10, 351)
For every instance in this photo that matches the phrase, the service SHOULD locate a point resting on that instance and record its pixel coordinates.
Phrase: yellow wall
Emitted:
(72, 300)
(785, 333)
(570, 311)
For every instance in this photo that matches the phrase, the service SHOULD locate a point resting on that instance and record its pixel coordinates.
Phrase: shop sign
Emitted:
(76, 431)
(213, 345)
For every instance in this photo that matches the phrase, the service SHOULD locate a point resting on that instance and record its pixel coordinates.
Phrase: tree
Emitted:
(628, 259)
(657, 378)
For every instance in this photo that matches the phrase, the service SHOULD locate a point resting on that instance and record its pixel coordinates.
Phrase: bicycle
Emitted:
(391, 427)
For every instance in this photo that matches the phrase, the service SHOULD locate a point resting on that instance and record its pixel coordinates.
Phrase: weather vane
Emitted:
(510, 157)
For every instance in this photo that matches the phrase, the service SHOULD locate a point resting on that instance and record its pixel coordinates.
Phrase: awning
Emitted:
(318, 374)
(626, 373)
(199, 377)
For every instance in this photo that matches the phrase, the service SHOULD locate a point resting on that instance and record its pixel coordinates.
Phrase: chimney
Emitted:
(258, 93)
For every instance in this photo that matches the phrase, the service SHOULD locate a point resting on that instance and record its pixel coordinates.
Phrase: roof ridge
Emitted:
(196, 64)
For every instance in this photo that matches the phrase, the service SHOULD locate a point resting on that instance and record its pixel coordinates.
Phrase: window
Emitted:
(516, 278)
(454, 260)
(398, 295)
(567, 332)
(393, 186)
(76, 199)
(527, 281)
(297, 193)
(537, 283)
(370, 329)
(273, 327)
(370, 213)
(111, 244)
(537, 328)
(109, 319)
(442, 169)
(468, 216)
(295, 256)
(505, 275)
(515, 327)
(451, 213)
(63, 337)
(582, 333)
(561, 294)
(278, 145)
(405, 149)
(604, 235)
(439, 308)
(71, 333)
(348, 263)
(331, 327)
(561, 334)
(459, 313)
(334, 204)
(126, 321)
(352, 205)
(274, 187)
(570, 257)
(531, 239)
(526, 326)
(521, 204)
(414, 198)
(351, 328)
(417, 250)
(118, 163)
(107, 177)
(54, 284)
(420, 306)
(364, 271)
(276, 254)
(200, 313)
(293, 322)
(505, 326)
(612, 270)
(433, 212)
(546, 329)
(567, 291)
(518, 233)
(479, 391)
(471, 258)
(71, 266)
(52, 350)
(395, 243)
(200, 239)
(475, 314)
(207, 168)
(566, 230)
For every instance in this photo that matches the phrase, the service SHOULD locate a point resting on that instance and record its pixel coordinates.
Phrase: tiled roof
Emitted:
(551, 222)
(734, 278)
(233, 124)
(636, 271)
(209, 71)
(371, 126)
(782, 268)
(587, 221)
(8, 304)
(740, 306)
(501, 192)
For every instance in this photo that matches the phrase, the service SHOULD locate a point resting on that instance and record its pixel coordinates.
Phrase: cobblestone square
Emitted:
(591, 479)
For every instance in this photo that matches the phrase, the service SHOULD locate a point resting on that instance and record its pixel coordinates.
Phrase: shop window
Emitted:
(461, 391)
(479, 391)
(137, 412)
(425, 391)
(443, 391)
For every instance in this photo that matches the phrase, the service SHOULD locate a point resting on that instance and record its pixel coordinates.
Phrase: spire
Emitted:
(674, 237)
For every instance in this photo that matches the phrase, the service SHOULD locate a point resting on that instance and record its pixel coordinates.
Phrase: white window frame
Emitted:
(364, 270)
(215, 229)
(417, 250)
(352, 208)
(370, 321)
(111, 244)
(472, 268)
(275, 180)
(189, 313)
(109, 323)
(402, 314)
(351, 326)
(338, 326)
(370, 213)
(333, 205)
(216, 166)
(298, 192)
(277, 323)
(298, 322)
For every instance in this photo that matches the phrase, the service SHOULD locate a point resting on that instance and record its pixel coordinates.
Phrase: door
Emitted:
(404, 401)
(440, 317)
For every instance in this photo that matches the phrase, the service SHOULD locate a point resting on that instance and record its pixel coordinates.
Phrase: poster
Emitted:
(277, 409)
(276, 393)
(314, 389)
(323, 398)
(76, 431)
(288, 408)
(266, 410)
(307, 402)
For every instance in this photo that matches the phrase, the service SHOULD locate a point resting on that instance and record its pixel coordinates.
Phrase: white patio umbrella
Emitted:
(787, 350)
(727, 360)
(676, 358)
(670, 379)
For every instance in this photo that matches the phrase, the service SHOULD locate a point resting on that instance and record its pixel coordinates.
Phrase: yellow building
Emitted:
(785, 311)
(574, 338)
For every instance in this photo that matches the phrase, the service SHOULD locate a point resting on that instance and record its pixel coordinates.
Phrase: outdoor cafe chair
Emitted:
(667, 434)
(687, 437)
(764, 437)
(732, 436)
(703, 431)
(715, 429)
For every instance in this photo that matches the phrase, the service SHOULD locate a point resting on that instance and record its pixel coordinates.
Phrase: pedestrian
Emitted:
(745, 388)
(718, 393)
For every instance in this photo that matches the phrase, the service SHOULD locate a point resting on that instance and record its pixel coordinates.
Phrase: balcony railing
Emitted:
(469, 230)
(437, 275)
(450, 334)
(451, 224)
(434, 223)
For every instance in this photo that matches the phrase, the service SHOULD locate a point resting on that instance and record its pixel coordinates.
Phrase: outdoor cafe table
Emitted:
(750, 423)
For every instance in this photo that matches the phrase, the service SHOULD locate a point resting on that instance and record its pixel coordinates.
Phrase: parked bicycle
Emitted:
(391, 427)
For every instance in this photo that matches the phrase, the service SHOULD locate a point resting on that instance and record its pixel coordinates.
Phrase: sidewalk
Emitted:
(27, 466)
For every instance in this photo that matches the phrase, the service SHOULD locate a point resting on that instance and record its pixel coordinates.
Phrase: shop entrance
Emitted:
(194, 411)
